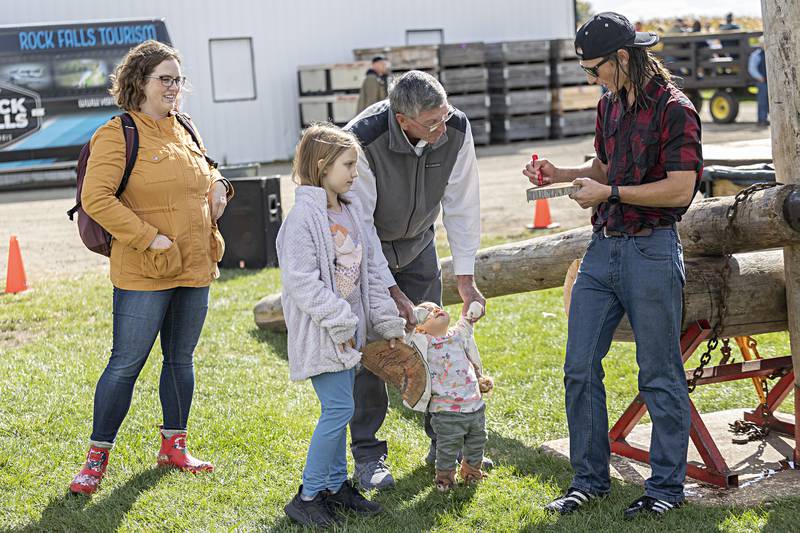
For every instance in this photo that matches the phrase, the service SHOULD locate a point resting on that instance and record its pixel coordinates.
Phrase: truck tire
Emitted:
(724, 107)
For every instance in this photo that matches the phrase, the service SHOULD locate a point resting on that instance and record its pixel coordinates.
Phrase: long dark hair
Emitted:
(642, 66)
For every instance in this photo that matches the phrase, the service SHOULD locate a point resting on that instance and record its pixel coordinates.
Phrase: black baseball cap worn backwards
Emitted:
(605, 33)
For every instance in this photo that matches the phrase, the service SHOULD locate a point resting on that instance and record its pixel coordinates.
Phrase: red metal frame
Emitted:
(715, 470)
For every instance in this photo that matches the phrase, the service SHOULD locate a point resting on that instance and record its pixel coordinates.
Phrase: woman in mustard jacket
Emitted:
(164, 253)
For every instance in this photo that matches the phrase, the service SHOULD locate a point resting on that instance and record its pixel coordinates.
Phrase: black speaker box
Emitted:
(251, 222)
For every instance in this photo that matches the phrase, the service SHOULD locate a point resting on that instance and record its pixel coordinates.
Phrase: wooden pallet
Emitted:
(331, 78)
(519, 127)
(579, 97)
(569, 73)
(473, 105)
(574, 123)
(419, 57)
(464, 54)
(562, 49)
(465, 79)
(480, 131)
(517, 52)
(521, 102)
(336, 108)
(522, 76)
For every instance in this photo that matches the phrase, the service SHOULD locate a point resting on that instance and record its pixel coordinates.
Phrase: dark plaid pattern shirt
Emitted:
(641, 147)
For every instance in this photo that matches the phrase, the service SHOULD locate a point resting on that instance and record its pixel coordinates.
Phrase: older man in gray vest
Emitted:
(418, 159)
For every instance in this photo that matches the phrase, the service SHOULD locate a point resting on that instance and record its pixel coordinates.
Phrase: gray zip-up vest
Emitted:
(410, 187)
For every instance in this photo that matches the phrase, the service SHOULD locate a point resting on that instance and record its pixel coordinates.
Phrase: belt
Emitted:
(644, 232)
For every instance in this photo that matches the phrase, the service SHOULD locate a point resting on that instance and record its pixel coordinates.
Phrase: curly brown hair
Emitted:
(127, 82)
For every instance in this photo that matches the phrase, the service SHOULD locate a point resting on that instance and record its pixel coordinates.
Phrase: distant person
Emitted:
(697, 26)
(757, 68)
(375, 85)
(639, 26)
(729, 24)
(678, 27)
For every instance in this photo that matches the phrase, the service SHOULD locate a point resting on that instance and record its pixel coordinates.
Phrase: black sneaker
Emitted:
(570, 501)
(309, 513)
(649, 506)
(348, 497)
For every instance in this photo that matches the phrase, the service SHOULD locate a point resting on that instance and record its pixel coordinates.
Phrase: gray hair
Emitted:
(415, 92)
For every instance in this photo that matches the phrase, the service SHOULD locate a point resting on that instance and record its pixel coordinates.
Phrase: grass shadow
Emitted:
(229, 274)
(76, 512)
(276, 340)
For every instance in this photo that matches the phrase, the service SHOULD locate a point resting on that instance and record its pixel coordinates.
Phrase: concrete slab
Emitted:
(758, 464)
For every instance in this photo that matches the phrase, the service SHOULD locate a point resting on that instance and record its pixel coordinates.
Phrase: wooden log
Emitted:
(768, 219)
(782, 47)
(756, 302)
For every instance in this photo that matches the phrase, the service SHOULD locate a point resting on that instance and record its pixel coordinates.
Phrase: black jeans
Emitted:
(421, 281)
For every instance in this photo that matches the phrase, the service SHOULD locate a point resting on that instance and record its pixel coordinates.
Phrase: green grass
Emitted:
(255, 425)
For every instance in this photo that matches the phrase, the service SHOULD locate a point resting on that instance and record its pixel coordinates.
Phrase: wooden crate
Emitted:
(519, 76)
(326, 79)
(472, 105)
(403, 57)
(569, 73)
(574, 123)
(517, 51)
(515, 128)
(563, 49)
(461, 54)
(520, 102)
(576, 98)
(336, 108)
(465, 79)
(480, 131)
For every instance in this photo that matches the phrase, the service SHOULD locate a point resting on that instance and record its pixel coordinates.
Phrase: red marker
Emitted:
(535, 157)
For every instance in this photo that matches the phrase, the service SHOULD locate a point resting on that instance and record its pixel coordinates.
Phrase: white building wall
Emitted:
(288, 34)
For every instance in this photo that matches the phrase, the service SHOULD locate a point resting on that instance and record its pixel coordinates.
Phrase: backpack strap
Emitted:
(131, 149)
(186, 122)
(131, 135)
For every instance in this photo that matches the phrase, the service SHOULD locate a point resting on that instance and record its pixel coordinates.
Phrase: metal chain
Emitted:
(713, 341)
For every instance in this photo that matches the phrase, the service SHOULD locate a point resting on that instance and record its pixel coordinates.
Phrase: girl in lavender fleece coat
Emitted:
(331, 294)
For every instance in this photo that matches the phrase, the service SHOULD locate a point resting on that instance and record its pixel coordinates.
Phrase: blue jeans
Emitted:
(326, 463)
(763, 101)
(643, 277)
(178, 314)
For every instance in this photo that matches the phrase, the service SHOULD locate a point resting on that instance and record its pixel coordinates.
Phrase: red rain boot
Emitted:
(173, 453)
(88, 479)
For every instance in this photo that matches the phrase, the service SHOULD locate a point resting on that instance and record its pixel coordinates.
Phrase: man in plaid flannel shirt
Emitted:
(645, 175)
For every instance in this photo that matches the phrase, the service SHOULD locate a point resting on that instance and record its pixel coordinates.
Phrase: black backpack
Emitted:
(93, 235)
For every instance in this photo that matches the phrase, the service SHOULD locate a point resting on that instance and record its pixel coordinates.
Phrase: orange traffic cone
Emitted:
(541, 216)
(15, 275)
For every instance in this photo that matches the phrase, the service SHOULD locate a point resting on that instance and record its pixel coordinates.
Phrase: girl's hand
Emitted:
(351, 343)
(393, 342)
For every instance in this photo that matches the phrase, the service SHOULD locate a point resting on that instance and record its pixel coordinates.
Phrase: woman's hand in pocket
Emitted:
(160, 242)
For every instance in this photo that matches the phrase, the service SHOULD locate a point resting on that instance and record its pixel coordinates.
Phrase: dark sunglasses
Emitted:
(592, 71)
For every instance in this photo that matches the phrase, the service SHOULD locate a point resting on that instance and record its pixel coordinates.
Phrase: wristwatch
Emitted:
(613, 199)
